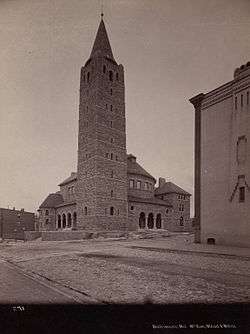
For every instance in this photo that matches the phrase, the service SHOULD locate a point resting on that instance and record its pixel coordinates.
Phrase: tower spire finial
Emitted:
(102, 11)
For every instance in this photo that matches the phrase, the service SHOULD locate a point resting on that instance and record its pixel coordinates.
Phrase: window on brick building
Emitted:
(111, 156)
(104, 69)
(111, 107)
(116, 157)
(242, 194)
(46, 212)
(111, 140)
(118, 212)
(107, 155)
(111, 193)
(111, 211)
(132, 208)
(85, 211)
(131, 183)
(138, 184)
(112, 174)
(111, 124)
(181, 221)
(47, 221)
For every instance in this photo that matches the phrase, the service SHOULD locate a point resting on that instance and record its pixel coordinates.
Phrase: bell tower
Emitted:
(101, 192)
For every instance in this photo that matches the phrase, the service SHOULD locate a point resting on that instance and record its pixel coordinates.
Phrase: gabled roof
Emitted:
(71, 178)
(101, 45)
(170, 187)
(152, 200)
(134, 168)
(52, 201)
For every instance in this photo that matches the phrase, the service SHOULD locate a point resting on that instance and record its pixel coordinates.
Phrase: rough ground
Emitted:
(163, 270)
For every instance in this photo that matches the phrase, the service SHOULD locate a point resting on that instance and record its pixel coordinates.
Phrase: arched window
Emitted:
(158, 220)
(150, 220)
(111, 211)
(63, 220)
(85, 211)
(104, 69)
(59, 221)
(181, 221)
(142, 220)
(69, 220)
(74, 219)
(110, 75)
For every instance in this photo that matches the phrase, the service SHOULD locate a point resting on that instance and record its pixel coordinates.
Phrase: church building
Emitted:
(222, 162)
(110, 190)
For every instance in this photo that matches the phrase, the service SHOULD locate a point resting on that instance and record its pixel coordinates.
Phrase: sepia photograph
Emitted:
(125, 166)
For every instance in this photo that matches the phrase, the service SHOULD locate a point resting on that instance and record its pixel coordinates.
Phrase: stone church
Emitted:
(110, 190)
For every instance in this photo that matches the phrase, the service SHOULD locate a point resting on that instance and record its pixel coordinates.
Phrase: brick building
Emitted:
(13, 223)
(110, 190)
(222, 162)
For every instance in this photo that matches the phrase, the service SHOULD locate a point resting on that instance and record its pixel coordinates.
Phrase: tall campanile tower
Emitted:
(102, 160)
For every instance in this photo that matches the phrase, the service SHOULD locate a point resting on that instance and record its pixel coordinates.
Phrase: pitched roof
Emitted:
(134, 168)
(52, 201)
(71, 178)
(101, 44)
(170, 187)
(152, 200)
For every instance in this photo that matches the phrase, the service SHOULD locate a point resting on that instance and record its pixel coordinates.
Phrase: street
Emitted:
(166, 270)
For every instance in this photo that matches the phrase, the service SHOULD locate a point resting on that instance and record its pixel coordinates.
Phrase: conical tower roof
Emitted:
(101, 45)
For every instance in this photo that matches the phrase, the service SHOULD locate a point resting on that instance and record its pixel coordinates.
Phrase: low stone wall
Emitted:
(32, 235)
(79, 235)
(65, 235)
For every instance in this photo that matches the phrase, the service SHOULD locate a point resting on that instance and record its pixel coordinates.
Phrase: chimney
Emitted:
(162, 181)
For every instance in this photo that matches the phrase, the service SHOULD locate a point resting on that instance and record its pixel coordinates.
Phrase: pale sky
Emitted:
(171, 50)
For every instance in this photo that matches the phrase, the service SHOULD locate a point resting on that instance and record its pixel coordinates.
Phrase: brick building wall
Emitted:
(13, 223)
(224, 157)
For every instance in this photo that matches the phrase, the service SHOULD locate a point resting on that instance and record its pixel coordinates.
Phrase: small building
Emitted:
(13, 223)
(222, 162)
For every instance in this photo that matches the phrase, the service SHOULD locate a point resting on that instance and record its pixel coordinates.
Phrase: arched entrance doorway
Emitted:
(63, 220)
(142, 220)
(158, 220)
(150, 220)
(59, 221)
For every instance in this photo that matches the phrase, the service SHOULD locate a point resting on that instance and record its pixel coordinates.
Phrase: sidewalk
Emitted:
(185, 244)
